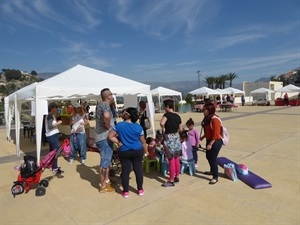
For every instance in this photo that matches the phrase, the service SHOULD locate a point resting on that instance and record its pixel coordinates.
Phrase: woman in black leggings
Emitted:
(129, 135)
(212, 133)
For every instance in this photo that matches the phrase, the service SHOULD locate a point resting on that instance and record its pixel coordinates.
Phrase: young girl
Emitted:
(194, 139)
(78, 135)
(187, 150)
(151, 145)
(159, 143)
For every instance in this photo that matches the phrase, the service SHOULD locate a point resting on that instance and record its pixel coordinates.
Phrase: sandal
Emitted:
(213, 181)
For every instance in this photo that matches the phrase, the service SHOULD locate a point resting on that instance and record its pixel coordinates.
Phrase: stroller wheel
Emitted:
(40, 191)
(44, 183)
(17, 188)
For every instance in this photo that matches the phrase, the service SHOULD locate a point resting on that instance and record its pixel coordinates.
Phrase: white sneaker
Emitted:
(71, 161)
(83, 162)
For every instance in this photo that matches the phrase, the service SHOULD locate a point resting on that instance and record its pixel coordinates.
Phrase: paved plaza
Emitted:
(266, 139)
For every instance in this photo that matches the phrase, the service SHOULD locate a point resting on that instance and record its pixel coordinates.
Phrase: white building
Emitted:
(272, 85)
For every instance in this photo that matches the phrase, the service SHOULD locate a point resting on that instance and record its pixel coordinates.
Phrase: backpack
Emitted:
(29, 167)
(66, 148)
(224, 131)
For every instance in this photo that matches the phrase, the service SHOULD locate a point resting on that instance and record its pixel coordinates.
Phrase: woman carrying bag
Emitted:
(171, 125)
(212, 134)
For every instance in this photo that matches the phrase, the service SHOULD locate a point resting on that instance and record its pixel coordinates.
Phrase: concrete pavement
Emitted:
(266, 139)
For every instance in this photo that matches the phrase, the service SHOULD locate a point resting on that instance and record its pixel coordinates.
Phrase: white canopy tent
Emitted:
(265, 91)
(288, 89)
(162, 91)
(223, 91)
(77, 82)
(234, 91)
(205, 91)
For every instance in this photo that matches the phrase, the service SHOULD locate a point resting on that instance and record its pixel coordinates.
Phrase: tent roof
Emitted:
(204, 91)
(80, 82)
(261, 90)
(162, 91)
(223, 91)
(234, 90)
(289, 88)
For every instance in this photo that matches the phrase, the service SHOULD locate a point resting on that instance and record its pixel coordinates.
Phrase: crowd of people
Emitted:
(176, 144)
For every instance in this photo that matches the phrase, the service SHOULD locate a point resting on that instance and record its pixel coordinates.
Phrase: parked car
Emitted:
(263, 102)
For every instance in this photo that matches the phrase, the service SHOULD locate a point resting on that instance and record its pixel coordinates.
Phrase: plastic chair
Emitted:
(164, 165)
(188, 165)
(147, 162)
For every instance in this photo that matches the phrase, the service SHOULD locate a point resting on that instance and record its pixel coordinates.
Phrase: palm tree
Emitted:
(223, 78)
(210, 80)
(218, 82)
(231, 77)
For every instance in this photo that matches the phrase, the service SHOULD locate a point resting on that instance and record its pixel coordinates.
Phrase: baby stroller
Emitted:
(30, 173)
(115, 166)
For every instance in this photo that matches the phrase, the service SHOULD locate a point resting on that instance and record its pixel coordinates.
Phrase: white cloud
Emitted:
(228, 41)
(81, 53)
(258, 64)
(163, 19)
(103, 44)
(88, 11)
(147, 67)
(115, 45)
(187, 63)
(16, 52)
(41, 14)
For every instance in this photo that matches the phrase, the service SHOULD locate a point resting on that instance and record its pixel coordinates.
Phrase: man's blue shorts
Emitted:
(105, 152)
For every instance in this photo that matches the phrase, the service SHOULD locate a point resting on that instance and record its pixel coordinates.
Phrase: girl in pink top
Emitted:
(194, 139)
(187, 150)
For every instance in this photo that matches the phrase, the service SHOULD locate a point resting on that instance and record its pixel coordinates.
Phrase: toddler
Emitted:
(159, 143)
(187, 149)
(151, 148)
(194, 139)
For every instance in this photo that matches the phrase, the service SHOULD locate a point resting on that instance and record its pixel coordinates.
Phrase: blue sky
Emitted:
(152, 40)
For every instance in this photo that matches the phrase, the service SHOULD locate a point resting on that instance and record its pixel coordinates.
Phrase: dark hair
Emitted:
(149, 140)
(103, 92)
(158, 135)
(210, 107)
(183, 134)
(142, 104)
(133, 113)
(51, 106)
(169, 103)
(190, 122)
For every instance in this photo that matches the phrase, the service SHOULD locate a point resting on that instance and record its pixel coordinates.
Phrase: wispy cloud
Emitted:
(187, 63)
(115, 45)
(41, 14)
(228, 41)
(250, 34)
(81, 53)
(87, 10)
(103, 44)
(16, 52)
(163, 19)
(250, 65)
(147, 67)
